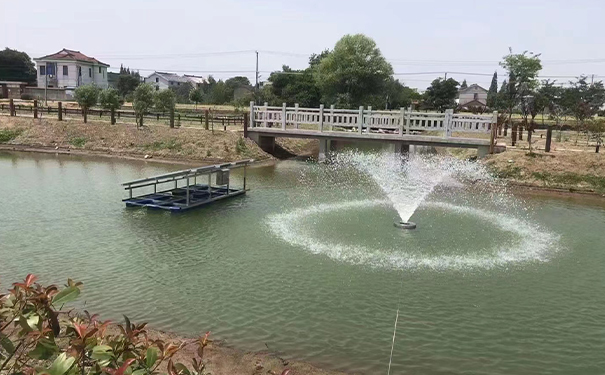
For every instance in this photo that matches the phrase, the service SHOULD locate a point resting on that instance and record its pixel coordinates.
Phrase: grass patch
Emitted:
(7, 135)
(568, 178)
(170, 144)
(240, 146)
(78, 141)
(510, 171)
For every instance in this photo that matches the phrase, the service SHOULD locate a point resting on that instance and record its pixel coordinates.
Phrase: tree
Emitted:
(127, 84)
(400, 95)
(143, 100)
(220, 93)
(196, 96)
(464, 85)
(86, 96)
(441, 94)
(295, 86)
(164, 100)
(353, 72)
(16, 66)
(584, 100)
(523, 69)
(525, 66)
(181, 92)
(492, 93)
(110, 99)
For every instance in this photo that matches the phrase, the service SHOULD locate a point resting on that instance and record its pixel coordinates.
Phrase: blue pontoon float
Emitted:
(184, 190)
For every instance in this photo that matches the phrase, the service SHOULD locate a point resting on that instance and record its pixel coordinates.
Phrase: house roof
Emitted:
(474, 103)
(195, 79)
(472, 87)
(171, 77)
(67, 54)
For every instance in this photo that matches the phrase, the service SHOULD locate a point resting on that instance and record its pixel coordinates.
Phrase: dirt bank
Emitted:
(184, 144)
(572, 165)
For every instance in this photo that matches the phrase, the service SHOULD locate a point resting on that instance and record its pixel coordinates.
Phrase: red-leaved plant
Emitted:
(32, 341)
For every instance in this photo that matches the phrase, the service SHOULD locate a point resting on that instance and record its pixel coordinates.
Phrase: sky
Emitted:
(467, 39)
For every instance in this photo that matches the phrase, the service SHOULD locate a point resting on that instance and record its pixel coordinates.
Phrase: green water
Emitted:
(316, 271)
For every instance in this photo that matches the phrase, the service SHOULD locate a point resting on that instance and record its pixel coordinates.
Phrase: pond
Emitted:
(309, 264)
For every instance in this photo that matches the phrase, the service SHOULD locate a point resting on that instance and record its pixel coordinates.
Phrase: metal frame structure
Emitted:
(180, 198)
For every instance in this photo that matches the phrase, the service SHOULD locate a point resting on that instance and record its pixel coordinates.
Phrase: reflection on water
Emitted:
(225, 268)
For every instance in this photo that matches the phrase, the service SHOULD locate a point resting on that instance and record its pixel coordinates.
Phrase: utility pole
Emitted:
(256, 85)
(591, 79)
(446, 76)
(46, 84)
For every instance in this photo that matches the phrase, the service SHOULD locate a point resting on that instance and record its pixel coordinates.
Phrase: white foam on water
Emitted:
(534, 243)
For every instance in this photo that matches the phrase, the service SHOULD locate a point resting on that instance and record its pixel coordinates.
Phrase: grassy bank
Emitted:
(156, 141)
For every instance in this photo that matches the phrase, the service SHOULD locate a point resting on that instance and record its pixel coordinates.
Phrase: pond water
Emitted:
(309, 264)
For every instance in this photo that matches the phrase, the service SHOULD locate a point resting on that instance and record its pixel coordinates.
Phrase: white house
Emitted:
(163, 80)
(196, 81)
(472, 96)
(70, 69)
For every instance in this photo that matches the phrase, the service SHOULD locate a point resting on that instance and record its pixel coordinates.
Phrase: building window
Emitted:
(65, 72)
(90, 72)
(42, 70)
(157, 87)
(178, 83)
(157, 80)
(79, 71)
(476, 96)
(99, 70)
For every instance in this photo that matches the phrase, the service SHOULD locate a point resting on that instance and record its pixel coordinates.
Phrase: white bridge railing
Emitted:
(403, 121)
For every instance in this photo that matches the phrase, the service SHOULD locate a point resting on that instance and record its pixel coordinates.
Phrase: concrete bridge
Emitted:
(400, 128)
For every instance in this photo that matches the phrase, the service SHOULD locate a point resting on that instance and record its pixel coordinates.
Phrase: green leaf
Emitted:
(66, 295)
(61, 365)
(29, 323)
(45, 348)
(102, 353)
(151, 357)
(6, 343)
(182, 369)
(140, 371)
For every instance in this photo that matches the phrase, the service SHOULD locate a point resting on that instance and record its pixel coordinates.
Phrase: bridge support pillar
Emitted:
(325, 146)
(399, 148)
(482, 151)
(266, 143)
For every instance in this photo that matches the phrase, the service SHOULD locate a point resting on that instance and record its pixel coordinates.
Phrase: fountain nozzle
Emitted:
(405, 225)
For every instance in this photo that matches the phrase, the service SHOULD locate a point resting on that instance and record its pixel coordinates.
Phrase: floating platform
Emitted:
(169, 196)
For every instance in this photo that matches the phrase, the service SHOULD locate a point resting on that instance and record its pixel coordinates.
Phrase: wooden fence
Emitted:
(206, 119)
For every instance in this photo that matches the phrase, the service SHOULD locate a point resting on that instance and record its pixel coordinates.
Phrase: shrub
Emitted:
(30, 327)
(86, 96)
(27, 97)
(110, 99)
(78, 141)
(7, 135)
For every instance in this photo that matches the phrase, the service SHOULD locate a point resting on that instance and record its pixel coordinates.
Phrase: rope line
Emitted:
(395, 327)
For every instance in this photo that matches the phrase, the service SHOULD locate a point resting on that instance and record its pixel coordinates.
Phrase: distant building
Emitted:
(472, 96)
(196, 81)
(70, 69)
(163, 80)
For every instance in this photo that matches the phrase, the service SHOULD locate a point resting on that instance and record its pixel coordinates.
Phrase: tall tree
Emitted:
(492, 93)
(295, 86)
(353, 73)
(464, 85)
(523, 69)
(16, 66)
(584, 100)
(441, 94)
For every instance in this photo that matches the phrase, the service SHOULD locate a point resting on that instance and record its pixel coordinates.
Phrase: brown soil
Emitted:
(193, 144)
(571, 165)
(223, 360)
